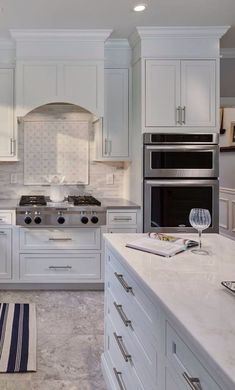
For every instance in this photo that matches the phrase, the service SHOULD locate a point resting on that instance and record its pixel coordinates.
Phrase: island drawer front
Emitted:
(184, 362)
(143, 352)
(137, 303)
(128, 376)
(52, 267)
(60, 238)
(122, 218)
(6, 217)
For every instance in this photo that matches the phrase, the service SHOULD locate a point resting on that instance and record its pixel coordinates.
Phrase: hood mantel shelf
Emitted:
(60, 66)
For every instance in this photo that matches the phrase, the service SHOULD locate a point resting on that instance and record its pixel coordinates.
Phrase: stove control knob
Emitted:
(94, 219)
(61, 220)
(84, 220)
(37, 220)
(28, 220)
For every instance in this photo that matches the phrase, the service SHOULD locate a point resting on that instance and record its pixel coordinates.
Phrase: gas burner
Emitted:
(84, 200)
(32, 200)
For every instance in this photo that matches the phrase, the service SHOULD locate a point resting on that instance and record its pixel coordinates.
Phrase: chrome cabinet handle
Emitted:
(118, 376)
(12, 143)
(3, 233)
(122, 218)
(178, 115)
(2, 219)
(183, 110)
(106, 146)
(60, 239)
(122, 348)
(194, 383)
(122, 314)
(124, 284)
(54, 267)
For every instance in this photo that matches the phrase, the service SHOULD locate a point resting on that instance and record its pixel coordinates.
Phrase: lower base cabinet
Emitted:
(5, 253)
(143, 348)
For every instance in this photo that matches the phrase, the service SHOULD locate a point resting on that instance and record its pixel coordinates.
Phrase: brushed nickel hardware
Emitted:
(183, 110)
(2, 233)
(60, 239)
(12, 145)
(118, 376)
(2, 219)
(122, 348)
(194, 383)
(124, 284)
(122, 314)
(122, 218)
(178, 115)
(54, 267)
(106, 146)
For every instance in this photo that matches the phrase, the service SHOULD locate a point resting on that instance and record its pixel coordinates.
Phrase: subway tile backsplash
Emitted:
(97, 170)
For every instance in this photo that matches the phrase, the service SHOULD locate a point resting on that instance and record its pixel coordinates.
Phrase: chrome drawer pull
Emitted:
(122, 348)
(178, 115)
(122, 218)
(3, 233)
(122, 314)
(55, 267)
(123, 282)
(118, 376)
(60, 239)
(184, 115)
(194, 383)
(2, 219)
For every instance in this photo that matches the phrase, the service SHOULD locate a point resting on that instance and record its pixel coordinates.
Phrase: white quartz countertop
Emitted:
(8, 204)
(189, 287)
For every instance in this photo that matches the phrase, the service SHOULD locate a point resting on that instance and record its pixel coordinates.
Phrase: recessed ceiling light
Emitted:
(140, 7)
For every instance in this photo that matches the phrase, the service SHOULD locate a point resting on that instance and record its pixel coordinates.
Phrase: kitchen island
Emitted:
(169, 324)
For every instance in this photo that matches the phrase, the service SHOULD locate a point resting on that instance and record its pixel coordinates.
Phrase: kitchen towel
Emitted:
(17, 337)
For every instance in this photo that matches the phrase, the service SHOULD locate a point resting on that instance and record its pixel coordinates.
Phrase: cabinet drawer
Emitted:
(61, 238)
(122, 230)
(122, 218)
(53, 267)
(143, 350)
(125, 372)
(185, 362)
(144, 313)
(6, 217)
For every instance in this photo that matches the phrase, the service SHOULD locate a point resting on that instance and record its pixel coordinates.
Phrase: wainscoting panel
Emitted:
(227, 212)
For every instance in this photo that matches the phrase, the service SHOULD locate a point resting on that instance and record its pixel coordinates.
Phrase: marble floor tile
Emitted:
(69, 341)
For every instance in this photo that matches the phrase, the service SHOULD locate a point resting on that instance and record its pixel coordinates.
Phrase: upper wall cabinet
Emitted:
(112, 135)
(180, 93)
(79, 83)
(7, 141)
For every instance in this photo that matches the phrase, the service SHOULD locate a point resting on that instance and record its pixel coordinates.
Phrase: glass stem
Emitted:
(200, 238)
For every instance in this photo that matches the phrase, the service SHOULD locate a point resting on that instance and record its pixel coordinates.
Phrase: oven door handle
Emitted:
(209, 148)
(179, 182)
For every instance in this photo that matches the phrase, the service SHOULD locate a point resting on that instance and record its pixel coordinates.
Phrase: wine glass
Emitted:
(200, 219)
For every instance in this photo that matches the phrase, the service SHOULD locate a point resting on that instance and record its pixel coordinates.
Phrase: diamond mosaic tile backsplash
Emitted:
(97, 171)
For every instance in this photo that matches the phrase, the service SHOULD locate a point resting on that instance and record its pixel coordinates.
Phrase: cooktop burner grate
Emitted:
(32, 200)
(84, 200)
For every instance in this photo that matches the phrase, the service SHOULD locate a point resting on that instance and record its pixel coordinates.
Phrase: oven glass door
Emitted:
(167, 204)
(181, 161)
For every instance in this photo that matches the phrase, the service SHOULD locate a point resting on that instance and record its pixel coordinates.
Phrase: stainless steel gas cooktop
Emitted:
(38, 210)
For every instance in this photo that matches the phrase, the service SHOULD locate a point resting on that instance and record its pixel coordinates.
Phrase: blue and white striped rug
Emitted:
(17, 337)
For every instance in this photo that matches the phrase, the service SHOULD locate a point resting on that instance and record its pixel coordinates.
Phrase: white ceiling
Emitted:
(116, 14)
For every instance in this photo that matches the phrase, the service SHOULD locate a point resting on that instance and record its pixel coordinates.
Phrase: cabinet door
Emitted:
(115, 125)
(162, 92)
(5, 250)
(6, 113)
(198, 93)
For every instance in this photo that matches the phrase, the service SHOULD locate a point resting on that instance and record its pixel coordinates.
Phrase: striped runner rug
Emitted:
(17, 337)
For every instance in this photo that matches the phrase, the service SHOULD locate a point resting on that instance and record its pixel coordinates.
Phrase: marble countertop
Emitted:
(108, 203)
(189, 288)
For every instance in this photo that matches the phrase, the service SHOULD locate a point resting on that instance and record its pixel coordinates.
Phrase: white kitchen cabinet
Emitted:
(180, 93)
(7, 141)
(78, 82)
(112, 134)
(162, 92)
(5, 251)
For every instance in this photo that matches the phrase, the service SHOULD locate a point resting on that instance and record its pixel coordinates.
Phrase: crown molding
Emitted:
(227, 52)
(61, 35)
(175, 32)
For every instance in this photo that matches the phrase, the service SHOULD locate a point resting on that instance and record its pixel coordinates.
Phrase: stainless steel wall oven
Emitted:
(180, 173)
